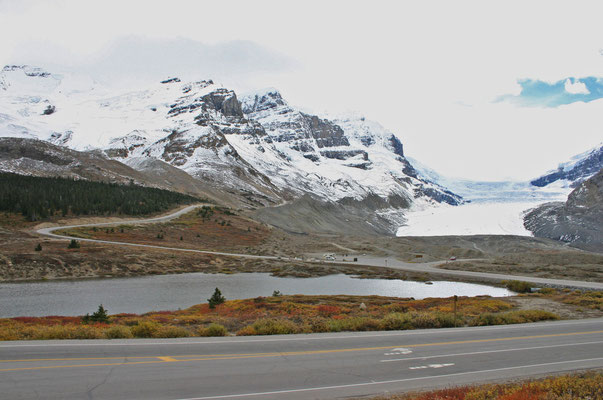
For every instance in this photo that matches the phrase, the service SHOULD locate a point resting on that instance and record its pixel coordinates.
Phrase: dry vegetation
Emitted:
(582, 267)
(228, 230)
(218, 230)
(583, 386)
(208, 228)
(280, 315)
(583, 299)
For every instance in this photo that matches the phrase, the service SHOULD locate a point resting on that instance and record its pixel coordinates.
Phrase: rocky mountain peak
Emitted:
(262, 100)
(206, 101)
(224, 101)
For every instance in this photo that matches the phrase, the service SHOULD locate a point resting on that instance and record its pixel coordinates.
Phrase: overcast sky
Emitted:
(480, 90)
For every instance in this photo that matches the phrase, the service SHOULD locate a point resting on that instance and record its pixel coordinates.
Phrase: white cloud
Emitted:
(576, 87)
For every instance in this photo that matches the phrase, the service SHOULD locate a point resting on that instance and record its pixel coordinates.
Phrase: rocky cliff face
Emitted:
(351, 148)
(578, 221)
(259, 149)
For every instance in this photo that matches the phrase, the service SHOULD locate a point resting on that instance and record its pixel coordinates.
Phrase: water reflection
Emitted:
(170, 292)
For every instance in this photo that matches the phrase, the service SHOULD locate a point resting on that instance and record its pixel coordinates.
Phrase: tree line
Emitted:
(38, 198)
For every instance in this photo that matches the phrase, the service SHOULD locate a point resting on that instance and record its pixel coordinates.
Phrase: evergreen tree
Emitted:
(38, 247)
(216, 299)
(74, 244)
(99, 316)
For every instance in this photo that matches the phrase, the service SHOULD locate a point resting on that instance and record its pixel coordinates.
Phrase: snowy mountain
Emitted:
(259, 149)
(577, 170)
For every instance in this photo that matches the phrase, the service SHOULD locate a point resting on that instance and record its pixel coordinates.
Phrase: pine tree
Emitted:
(99, 316)
(216, 299)
(38, 247)
(74, 244)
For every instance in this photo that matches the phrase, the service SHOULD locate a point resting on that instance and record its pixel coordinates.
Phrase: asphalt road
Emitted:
(429, 267)
(318, 366)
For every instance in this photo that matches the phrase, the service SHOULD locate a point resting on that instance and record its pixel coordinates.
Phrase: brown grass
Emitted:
(584, 299)
(218, 229)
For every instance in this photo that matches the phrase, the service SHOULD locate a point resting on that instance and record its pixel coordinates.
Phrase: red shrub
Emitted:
(325, 310)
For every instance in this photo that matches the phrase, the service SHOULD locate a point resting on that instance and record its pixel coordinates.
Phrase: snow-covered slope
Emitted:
(260, 149)
(572, 173)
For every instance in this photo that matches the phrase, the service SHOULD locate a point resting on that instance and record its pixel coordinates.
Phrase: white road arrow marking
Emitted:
(398, 351)
(432, 366)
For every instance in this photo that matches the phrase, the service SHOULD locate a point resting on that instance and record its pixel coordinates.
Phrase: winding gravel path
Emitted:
(429, 267)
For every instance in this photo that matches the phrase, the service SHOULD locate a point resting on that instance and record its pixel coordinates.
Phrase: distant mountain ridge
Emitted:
(579, 169)
(555, 185)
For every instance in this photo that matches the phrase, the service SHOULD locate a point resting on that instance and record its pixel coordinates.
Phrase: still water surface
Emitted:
(170, 292)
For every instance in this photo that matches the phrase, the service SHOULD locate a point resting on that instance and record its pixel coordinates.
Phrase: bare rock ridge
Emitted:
(255, 152)
(578, 221)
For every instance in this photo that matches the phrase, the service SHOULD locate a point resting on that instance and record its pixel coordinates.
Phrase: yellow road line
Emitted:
(164, 359)
(167, 359)
(78, 358)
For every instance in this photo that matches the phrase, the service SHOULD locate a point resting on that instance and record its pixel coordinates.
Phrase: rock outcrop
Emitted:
(578, 221)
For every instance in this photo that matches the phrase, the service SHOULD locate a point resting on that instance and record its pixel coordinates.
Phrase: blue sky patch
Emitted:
(544, 94)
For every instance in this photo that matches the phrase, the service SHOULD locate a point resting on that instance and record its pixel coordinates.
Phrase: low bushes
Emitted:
(513, 317)
(592, 299)
(397, 321)
(145, 329)
(61, 332)
(518, 286)
(274, 327)
(284, 315)
(353, 324)
(171, 331)
(213, 330)
(118, 332)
